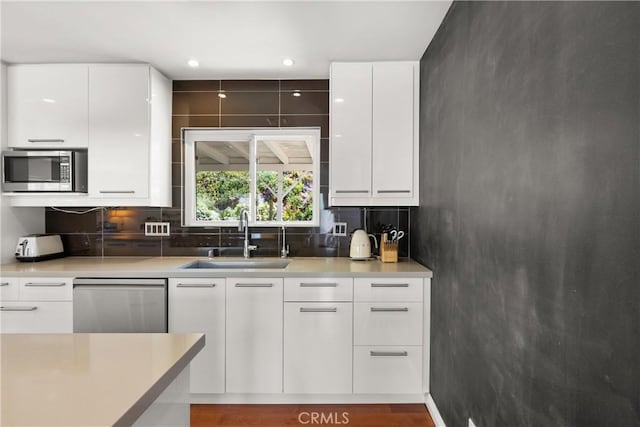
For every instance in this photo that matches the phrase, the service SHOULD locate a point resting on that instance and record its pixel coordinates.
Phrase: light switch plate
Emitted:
(156, 229)
(339, 228)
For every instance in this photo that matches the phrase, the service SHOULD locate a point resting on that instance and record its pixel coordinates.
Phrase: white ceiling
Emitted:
(231, 39)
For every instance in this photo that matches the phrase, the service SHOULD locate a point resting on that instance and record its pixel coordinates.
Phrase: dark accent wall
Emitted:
(530, 213)
(248, 103)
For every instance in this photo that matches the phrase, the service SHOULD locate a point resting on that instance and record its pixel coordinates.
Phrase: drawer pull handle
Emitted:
(4, 284)
(45, 140)
(388, 309)
(393, 191)
(389, 285)
(318, 285)
(117, 191)
(47, 285)
(388, 353)
(318, 310)
(31, 308)
(254, 285)
(351, 191)
(196, 285)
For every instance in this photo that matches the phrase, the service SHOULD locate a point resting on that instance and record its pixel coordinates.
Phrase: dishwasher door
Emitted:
(120, 305)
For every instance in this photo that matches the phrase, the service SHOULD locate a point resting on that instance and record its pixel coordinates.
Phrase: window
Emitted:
(273, 174)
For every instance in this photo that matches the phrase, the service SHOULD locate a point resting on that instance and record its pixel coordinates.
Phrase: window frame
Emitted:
(251, 135)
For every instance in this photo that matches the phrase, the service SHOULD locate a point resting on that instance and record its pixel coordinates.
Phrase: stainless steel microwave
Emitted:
(44, 171)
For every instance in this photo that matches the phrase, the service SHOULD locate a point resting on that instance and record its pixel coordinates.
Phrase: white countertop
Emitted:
(169, 267)
(88, 379)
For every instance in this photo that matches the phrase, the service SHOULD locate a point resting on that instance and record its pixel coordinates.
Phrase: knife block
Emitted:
(388, 250)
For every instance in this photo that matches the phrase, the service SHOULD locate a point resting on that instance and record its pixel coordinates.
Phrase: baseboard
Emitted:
(281, 398)
(433, 411)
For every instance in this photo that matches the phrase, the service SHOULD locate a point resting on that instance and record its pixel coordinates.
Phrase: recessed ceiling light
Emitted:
(193, 63)
(222, 95)
(287, 61)
(49, 100)
(338, 100)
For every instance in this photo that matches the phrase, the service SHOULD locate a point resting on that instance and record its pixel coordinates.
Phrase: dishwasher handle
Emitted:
(119, 282)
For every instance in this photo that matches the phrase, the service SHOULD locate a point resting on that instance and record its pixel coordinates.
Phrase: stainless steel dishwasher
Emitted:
(120, 305)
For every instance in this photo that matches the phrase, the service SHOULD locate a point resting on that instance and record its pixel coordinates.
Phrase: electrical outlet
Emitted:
(156, 229)
(339, 228)
(471, 423)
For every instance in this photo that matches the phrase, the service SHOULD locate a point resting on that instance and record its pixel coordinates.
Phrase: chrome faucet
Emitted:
(244, 224)
(285, 248)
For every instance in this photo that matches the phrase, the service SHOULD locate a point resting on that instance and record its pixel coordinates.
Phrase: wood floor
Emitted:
(405, 415)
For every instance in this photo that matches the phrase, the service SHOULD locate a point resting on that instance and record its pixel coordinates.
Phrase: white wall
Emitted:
(14, 222)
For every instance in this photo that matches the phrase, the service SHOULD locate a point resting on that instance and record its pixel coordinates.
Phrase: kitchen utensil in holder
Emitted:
(388, 249)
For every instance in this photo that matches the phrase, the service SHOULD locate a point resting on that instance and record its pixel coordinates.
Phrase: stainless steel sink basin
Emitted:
(250, 263)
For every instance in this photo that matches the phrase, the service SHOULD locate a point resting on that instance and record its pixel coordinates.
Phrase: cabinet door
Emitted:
(198, 305)
(394, 138)
(387, 370)
(48, 106)
(350, 145)
(36, 317)
(9, 289)
(318, 347)
(119, 129)
(254, 335)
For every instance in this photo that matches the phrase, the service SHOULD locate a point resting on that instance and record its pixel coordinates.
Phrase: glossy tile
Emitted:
(291, 85)
(195, 103)
(250, 103)
(64, 223)
(82, 244)
(249, 121)
(176, 151)
(129, 220)
(321, 121)
(304, 102)
(179, 122)
(324, 149)
(132, 244)
(176, 174)
(196, 85)
(250, 85)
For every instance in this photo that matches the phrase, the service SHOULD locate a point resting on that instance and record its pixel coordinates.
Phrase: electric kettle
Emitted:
(361, 245)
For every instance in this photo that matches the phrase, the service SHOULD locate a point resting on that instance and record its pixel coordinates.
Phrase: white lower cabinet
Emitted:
(198, 305)
(387, 370)
(38, 317)
(254, 335)
(387, 323)
(36, 305)
(318, 347)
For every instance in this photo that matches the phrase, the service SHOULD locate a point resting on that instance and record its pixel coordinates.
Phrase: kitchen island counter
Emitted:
(170, 267)
(90, 379)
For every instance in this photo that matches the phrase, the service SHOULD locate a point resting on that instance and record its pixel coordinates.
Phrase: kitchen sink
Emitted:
(250, 263)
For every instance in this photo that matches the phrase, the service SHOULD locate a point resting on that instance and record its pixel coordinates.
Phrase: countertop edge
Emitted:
(140, 406)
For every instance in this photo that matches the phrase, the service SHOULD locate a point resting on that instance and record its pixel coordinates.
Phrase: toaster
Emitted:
(39, 247)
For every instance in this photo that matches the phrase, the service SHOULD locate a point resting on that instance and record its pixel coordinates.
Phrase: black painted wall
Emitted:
(530, 213)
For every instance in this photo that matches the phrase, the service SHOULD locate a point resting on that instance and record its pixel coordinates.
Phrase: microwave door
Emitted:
(39, 172)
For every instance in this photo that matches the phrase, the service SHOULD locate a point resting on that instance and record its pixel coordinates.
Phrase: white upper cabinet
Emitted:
(119, 129)
(374, 139)
(48, 106)
(350, 113)
(394, 129)
(124, 111)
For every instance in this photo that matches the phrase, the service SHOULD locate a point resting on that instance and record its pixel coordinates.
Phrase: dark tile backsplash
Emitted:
(248, 103)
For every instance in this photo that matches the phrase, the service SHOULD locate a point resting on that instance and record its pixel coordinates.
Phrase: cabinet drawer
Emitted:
(36, 317)
(388, 289)
(46, 289)
(388, 323)
(8, 289)
(318, 347)
(318, 289)
(387, 370)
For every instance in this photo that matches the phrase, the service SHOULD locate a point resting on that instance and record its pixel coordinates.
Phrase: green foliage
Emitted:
(222, 195)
